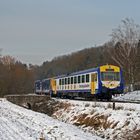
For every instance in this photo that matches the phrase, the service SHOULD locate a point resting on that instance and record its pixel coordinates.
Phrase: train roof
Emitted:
(78, 73)
(46, 79)
(74, 73)
(38, 81)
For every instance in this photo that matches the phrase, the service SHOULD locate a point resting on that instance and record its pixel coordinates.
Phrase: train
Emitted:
(101, 83)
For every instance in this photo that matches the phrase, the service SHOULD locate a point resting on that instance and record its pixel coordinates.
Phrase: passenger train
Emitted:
(101, 83)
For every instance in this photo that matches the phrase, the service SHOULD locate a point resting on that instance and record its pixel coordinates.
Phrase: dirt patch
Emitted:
(45, 107)
(50, 107)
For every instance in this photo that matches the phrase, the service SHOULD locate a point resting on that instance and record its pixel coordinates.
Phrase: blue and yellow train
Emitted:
(101, 82)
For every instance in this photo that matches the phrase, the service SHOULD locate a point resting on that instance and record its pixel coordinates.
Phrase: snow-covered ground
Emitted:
(91, 118)
(100, 118)
(17, 123)
(130, 96)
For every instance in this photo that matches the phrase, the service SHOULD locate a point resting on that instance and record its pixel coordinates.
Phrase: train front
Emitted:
(111, 81)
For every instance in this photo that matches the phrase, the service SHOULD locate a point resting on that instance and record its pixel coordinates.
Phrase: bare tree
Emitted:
(8, 60)
(15, 77)
(125, 40)
(0, 54)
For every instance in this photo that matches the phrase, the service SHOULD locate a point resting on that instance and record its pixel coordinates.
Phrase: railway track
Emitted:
(95, 100)
(111, 101)
(134, 102)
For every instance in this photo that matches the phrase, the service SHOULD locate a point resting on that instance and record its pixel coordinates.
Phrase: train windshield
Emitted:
(110, 76)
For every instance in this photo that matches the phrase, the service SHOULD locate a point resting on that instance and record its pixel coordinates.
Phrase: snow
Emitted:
(22, 124)
(121, 123)
(130, 96)
(109, 123)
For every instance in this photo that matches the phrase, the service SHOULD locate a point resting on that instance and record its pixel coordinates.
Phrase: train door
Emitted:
(53, 85)
(93, 82)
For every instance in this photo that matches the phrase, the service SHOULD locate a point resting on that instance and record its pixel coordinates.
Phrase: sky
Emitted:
(34, 31)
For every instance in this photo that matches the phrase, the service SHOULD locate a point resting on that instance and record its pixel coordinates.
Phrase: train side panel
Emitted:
(84, 84)
(38, 86)
(46, 86)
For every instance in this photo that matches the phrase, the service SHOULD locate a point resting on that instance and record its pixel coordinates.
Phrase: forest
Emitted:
(123, 50)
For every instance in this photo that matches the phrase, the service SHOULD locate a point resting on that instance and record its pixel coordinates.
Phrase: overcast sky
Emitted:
(34, 31)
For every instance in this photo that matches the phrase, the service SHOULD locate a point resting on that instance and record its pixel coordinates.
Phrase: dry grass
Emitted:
(94, 105)
(114, 125)
(79, 120)
(97, 121)
(87, 105)
(119, 108)
(109, 105)
(41, 138)
(131, 135)
(126, 124)
(92, 112)
(62, 105)
(131, 109)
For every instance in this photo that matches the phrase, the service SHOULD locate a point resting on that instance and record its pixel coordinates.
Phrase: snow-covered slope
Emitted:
(99, 117)
(94, 117)
(130, 96)
(17, 123)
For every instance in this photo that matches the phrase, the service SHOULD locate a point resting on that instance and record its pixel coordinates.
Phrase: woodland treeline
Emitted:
(15, 77)
(123, 49)
(90, 58)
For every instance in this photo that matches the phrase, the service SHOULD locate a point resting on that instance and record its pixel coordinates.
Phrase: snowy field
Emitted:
(17, 123)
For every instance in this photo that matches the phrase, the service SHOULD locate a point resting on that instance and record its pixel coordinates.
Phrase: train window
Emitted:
(83, 78)
(79, 79)
(62, 81)
(75, 80)
(94, 77)
(71, 80)
(68, 80)
(110, 76)
(87, 77)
